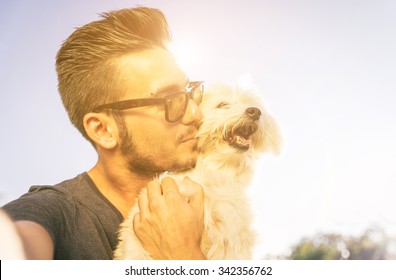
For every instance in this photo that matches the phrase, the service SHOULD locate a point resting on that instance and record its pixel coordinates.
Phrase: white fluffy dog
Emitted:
(235, 130)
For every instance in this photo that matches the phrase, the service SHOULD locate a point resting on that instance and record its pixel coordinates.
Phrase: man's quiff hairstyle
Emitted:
(87, 61)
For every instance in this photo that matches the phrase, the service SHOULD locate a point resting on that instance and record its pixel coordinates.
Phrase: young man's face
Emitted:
(152, 144)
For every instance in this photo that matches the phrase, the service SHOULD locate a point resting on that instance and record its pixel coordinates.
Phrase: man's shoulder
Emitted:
(66, 187)
(46, 195)
(79, 192)
(65, 194)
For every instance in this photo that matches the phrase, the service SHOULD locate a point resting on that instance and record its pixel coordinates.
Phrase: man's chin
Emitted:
(183, 166)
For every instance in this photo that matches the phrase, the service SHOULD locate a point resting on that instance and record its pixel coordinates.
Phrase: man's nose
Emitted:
(193, 114)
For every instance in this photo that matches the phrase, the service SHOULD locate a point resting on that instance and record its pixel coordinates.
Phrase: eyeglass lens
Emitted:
(176, 106)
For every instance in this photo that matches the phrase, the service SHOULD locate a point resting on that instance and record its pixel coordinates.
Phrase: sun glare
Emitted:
(185, 55)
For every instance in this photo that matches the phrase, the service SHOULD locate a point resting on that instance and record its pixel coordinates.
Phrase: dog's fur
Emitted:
(231, 137)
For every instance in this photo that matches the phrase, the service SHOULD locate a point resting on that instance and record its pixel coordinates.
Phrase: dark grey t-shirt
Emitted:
(82, 223)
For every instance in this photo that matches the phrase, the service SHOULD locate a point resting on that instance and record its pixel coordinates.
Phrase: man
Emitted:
(124, 92)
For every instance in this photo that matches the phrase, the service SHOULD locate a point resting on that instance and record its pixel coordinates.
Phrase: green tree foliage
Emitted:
(372, 245)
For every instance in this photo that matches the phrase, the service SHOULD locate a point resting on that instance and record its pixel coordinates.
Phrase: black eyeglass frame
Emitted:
(190, 92)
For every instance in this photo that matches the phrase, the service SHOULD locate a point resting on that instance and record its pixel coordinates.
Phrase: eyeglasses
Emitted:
(175, 103)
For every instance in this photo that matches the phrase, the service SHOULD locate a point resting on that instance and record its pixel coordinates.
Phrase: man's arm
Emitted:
(168, 226)
(37, 242)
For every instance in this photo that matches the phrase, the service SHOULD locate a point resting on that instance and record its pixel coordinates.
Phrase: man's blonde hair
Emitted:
(86, 63)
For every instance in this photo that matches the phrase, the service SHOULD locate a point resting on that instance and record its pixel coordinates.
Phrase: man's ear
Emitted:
(101, 129)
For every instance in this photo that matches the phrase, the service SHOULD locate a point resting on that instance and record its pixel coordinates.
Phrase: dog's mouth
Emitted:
(239, 135)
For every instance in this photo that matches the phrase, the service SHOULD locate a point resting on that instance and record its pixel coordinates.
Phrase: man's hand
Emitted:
(168, 226)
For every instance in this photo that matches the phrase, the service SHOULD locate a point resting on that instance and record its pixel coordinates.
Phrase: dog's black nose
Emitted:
(253, 113)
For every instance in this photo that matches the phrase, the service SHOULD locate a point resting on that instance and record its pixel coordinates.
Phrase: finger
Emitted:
(197, 194)
(136, 221)
(137, 225)
(169, 186)
(143, 205)
(153, 190)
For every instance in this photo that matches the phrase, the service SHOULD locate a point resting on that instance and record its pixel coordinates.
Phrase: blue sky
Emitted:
(326, 71)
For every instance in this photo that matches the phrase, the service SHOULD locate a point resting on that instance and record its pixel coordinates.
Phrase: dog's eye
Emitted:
(223, 105)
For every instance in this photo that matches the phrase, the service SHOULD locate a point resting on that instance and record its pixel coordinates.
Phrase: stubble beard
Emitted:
(143, 164)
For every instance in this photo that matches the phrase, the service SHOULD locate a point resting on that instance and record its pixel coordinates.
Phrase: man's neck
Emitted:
(120, 186)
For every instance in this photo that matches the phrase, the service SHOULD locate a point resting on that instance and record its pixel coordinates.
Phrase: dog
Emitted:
(235, 130)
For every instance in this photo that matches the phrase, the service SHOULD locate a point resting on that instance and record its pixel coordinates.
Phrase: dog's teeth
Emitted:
(242, 141)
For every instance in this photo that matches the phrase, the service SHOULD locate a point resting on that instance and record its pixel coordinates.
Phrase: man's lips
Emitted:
(190, 135)
(195, 139)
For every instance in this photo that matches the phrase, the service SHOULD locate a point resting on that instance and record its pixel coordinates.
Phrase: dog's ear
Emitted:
(272, 141)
